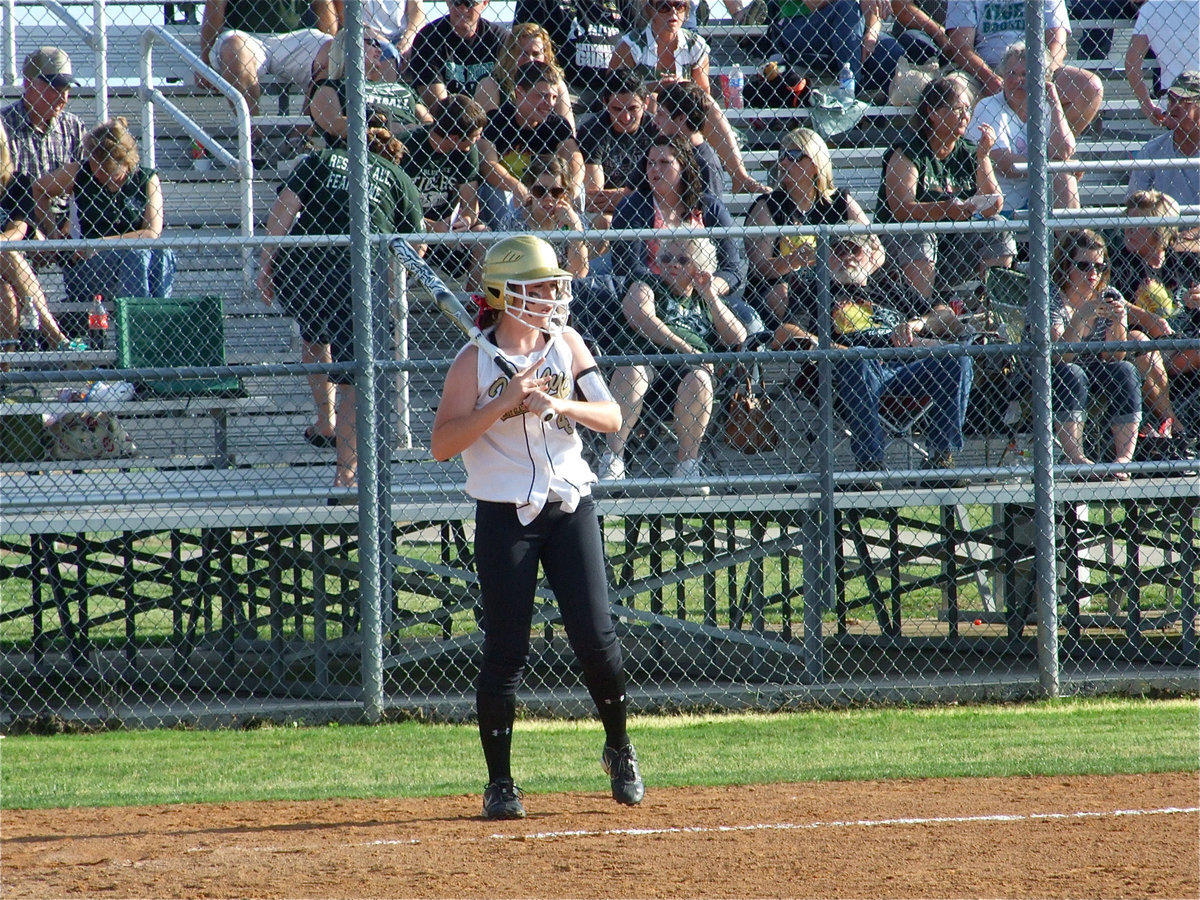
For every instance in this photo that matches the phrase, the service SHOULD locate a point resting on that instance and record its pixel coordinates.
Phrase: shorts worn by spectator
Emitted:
(1007, 113)
(528, 42)
(397, 20)
(837, 33)
(1182, 140)
(1169, 29)
(113, 197)
(521, 129)
(988, 27)
(246, 40)
(678, 312)
(385, 94)
(443, 160)
(867, 313)
(451, 55)
(313, 283)
(805, 195)
(933, 174)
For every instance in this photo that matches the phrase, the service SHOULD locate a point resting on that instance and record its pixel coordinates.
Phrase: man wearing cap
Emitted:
(1169, 28)
(1182, 140)
(42, 135)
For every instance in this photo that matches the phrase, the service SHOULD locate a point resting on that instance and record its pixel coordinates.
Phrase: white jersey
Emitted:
(521, 459)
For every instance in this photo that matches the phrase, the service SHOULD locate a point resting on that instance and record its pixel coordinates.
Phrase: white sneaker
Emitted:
(611, 467)
(689, 470)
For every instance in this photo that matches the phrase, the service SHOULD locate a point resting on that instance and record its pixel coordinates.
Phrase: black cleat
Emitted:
(502, 800)
(622, 768)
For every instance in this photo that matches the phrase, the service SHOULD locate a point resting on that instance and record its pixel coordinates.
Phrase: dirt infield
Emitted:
(1122, 836)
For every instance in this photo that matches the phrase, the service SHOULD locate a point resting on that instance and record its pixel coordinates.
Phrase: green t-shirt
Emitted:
(937, 179)
(264, 16)
(321, 182)
(687, 317)
(395, 98)
(791, 9)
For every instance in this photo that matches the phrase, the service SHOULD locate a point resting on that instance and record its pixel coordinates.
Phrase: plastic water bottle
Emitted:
(737, 85)
(846, 86)
(31, 324)
(98, 324)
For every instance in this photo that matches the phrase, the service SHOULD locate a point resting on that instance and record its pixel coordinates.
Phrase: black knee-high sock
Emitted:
(496, 714)
(608, 692)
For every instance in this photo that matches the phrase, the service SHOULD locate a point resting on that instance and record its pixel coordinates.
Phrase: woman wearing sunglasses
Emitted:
(528, 42)
(1082, 309)
(547, 207)
(805, 195)
(385, 92)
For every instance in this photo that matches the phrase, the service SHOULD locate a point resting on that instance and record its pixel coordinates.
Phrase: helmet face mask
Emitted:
(546, 309)
(515, 265)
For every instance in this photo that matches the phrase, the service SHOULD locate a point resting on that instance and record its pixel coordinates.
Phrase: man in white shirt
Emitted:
(989, 26)
(1008, 114)
(1171, 28)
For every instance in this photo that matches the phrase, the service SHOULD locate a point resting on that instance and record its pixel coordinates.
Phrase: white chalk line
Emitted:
(849, 823)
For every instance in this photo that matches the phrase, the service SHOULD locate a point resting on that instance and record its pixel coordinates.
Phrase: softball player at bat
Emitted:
(532, 488)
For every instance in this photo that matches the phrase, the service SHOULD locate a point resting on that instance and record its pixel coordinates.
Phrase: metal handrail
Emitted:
(243, 162)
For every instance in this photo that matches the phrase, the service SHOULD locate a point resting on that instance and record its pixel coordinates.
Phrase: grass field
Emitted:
(1075, 737)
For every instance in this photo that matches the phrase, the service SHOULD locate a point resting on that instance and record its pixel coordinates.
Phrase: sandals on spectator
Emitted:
(318, 440)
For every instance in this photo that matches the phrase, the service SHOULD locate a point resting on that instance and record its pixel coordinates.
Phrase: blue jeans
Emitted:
(834, 35)
(121, 273)
(1117, 383)
(945, 380)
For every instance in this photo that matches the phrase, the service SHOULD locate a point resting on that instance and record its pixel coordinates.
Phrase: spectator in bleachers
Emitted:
(1095, 43)
(1008, 113)
(1083, 309)
(1138, 265)
(680, 111)
(666, 55)
(114, 198)
(528, 42)
(670, 196)
(397, 20)
(442, 160)
(549, 208)
(245, 40)
(382, 88)
(613, 144)
(313, 283)
(805, 194)
(829, 33)
(989, 26)
(868, 312)
(677, 311)
(18, 282)
(1184, 267)
(42, 134)
(586, 33)
(1170, 29)
(933, 174)
(454, 53)
(520, 129)
(1183, 140)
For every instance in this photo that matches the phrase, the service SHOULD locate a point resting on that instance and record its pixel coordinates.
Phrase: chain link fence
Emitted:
(900, 303)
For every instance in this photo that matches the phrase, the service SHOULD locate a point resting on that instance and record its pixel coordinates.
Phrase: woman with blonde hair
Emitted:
(114, 198)
(805, 195)
(18, 282)
(527, 42)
